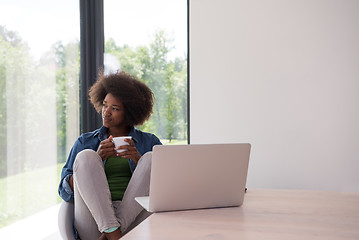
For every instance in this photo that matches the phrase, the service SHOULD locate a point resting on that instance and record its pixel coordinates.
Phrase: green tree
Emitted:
(167, 79)
(3, 46)
(60, 59)
(15, 64)
(67, 75)
(24, 86)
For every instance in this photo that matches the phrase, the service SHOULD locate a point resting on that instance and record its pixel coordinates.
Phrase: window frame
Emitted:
(92, 60)
(91, 52)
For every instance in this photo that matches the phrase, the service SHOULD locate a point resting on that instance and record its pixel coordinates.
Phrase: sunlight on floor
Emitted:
(40, 226)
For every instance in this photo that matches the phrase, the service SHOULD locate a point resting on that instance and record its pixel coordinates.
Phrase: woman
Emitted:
(102, 182)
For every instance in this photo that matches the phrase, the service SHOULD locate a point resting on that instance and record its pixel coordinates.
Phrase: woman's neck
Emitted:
(119, 132)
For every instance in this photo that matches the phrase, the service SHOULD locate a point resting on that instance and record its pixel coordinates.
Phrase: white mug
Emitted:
(120, 141)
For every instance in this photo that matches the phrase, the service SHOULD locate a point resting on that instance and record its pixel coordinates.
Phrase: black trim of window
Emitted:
(92, 49)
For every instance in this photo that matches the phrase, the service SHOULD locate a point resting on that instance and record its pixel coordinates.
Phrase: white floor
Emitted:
(41, 226)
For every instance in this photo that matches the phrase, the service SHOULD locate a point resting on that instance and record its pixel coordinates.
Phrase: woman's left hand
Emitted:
(131, 151)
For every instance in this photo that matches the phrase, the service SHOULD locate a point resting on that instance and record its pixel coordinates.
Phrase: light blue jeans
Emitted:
(94, 210)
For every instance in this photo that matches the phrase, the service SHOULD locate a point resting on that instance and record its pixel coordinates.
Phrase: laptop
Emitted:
(197, 176)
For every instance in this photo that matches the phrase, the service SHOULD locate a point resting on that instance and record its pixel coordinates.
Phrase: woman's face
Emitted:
(113, 112)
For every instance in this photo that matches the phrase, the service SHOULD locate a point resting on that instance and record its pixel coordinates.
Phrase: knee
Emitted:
(146, 160)
(86, 158)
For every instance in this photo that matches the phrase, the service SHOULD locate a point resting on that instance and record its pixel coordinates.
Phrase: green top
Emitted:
(118, 175)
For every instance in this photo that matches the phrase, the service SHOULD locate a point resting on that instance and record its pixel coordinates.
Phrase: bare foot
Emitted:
(115, 235)
(102, 237)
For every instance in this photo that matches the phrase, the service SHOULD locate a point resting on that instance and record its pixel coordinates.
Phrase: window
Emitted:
(149, 40)
(39, 84)
(39, 106)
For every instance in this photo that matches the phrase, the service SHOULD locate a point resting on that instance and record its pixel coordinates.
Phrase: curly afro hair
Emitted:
(135, 95)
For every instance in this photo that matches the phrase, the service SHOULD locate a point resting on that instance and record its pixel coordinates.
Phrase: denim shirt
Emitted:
(91, 140)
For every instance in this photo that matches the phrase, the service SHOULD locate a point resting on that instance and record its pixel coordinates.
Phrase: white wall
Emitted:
(284, 76)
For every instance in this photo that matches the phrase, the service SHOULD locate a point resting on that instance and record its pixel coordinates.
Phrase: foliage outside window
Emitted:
(38, 121)
(167, 79)
(149, 40)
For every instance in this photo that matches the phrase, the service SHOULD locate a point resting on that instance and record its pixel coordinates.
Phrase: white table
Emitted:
(265, 214)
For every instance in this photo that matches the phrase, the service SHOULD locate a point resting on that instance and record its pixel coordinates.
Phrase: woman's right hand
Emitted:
(106, 149)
